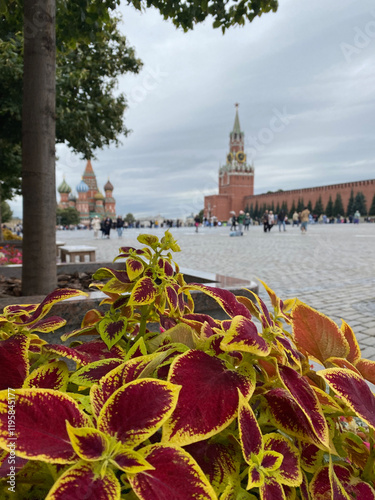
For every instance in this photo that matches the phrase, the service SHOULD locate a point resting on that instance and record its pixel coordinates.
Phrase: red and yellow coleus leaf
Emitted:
(143, 293)
(317, 334)
(90, 351)
(367, 369)
(49, 376)
(338, 482)
(208, 400)
(243, 336)
(134, 268)
(14, 361)
(51, 299)
(90, 444)
(47, 325)
(40, 430)
(137, 410)
(137, 350)
(271, 490)
(288, 415)
(249, 431)
(307, 400)
(225, 298)
(148, 239)
(354, 354)
(311, 456)
(175, 475)
(112, 330)
(84, 480)
(289, 471)
(91, 374)
(353, 389)
(128, 460)
(220, 461)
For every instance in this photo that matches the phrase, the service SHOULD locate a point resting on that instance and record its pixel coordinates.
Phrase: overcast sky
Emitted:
(305, 81)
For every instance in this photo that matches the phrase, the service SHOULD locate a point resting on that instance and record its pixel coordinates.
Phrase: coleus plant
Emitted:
(164, 403)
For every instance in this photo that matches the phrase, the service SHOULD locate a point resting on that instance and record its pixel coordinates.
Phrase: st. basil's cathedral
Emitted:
(89, 201)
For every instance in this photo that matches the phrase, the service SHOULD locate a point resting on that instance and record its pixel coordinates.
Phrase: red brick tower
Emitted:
(236, 177)
(64, 190)
(109, 201)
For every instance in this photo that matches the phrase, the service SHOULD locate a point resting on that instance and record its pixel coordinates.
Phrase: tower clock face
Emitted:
(241, 157)
(229, 157)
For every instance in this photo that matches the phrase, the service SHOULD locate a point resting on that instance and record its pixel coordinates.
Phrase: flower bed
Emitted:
(10, 255)
(205, 408)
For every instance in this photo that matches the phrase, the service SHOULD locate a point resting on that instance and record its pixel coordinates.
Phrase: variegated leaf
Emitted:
(172, 297)
(271, 461)
(85, 353)
(148, 239)
(47, 325)
(51, 299)
(91, 374)
(144, 292)
(136, 411)
(225, 298)
(367, 369)
(353, 390)
(317, 334)
(326, 486)
(49, 376)
(306, 399)
(289, 471)
(208, 400)
(311, 456)
(129, 461)
(220, 461)
(112, 330)
(134, 268)
(89, 443)
(289, 417)
(255, 477)
(137, 350)
(40, 431)
(175, 475)
(354, 354)
(249, 430)
(83, 480)
(14, 361)
(243, 336)
(271, 490)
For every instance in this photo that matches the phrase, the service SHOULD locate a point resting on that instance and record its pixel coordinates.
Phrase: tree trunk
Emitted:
(38, 149)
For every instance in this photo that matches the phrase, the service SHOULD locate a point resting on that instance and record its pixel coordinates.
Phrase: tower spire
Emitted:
(236, 126)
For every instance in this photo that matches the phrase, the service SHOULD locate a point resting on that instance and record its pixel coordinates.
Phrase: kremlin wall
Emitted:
(236, 186)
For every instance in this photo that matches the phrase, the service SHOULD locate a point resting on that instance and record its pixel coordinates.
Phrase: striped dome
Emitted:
(64, 187)
(82, 187)
(108, 186)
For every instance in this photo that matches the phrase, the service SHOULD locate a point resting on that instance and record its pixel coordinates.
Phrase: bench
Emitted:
(59, 244)
(78, 250)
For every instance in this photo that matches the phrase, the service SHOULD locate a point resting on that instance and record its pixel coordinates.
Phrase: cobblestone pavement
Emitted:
(331, 268)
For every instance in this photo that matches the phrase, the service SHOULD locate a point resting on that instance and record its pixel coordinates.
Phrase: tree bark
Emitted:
(38, 149)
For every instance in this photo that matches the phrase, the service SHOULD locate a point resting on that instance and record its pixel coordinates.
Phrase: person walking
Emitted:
(241, 218)
(197, 221)
(246, 222)
(295, 219)
(271, 220)
(96, 226)
(265, 221)
(234, 222)
(304, 219)
(119, 226)
(107, 227)
(281, 220)
(357, 216)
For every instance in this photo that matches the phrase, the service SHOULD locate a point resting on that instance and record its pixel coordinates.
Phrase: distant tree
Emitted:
(67, 216)
(372, 208)
(309, 206)
(272, 207)
(256, 210)
(319, 209)
(284, 207)
(129, 218)
(338, 207)
(201, 214)
(300, 205)
(278, 207)
(350, 209)
(293, 209)
(360, 203)
(6, 212)
(329, 207)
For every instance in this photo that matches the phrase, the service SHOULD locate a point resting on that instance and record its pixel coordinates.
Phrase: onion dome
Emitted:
(99, 196)
(72, 197)
(82, 187)
(108, 186)
(64, 187)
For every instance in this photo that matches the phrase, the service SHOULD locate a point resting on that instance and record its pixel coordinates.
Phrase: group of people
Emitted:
(243, 221)
(105, 225)
(269, 220)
